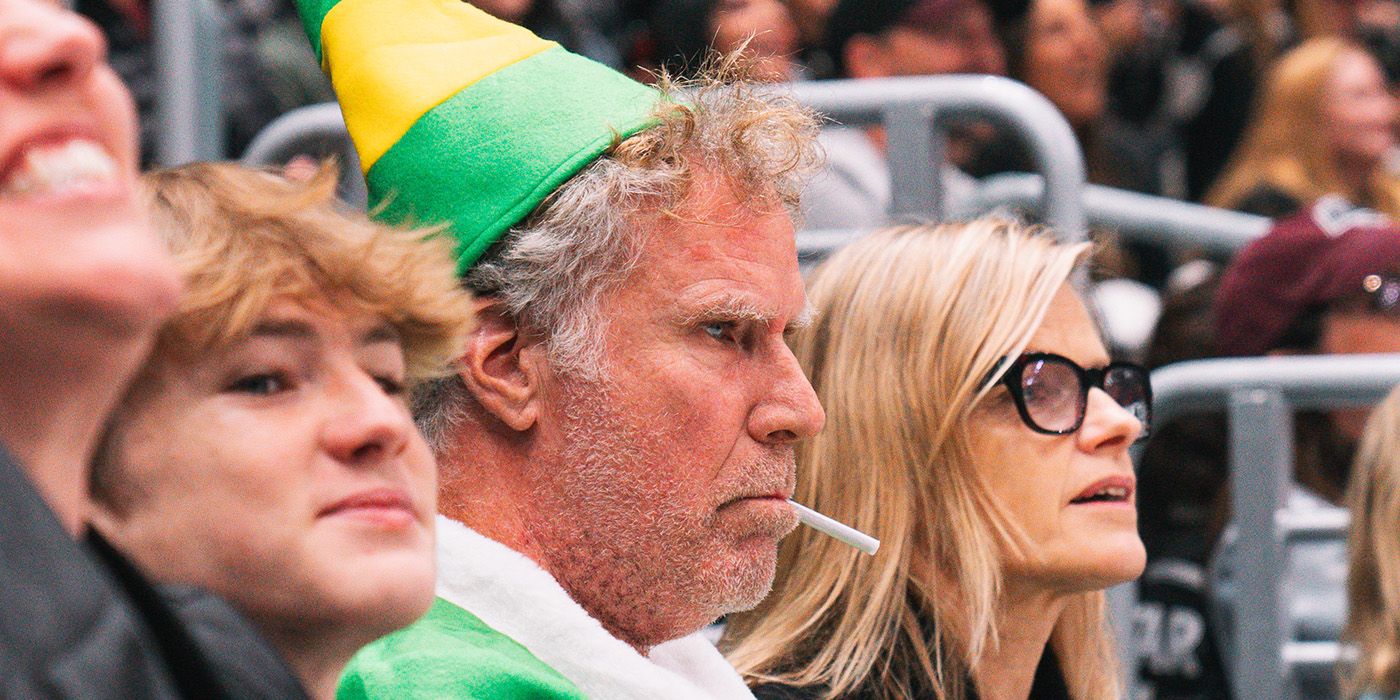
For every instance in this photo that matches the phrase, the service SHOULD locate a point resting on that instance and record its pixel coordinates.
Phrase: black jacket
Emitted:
(85, 624)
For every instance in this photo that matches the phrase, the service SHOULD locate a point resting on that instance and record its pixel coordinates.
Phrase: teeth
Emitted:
(1113, 492)
(60, 168)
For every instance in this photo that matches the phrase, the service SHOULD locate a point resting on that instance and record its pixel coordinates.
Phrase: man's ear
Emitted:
(501, 368)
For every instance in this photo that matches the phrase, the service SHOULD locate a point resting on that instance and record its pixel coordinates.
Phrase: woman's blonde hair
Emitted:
(1281, 147)
(1373, 580)
(244, 238)
(909, 324)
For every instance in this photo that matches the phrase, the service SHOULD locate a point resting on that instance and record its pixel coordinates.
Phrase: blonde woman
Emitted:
(976, 424)
(1373, 581)
(266, 451)
(1324, 124)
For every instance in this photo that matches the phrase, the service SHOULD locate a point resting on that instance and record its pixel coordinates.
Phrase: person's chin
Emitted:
(387, 590)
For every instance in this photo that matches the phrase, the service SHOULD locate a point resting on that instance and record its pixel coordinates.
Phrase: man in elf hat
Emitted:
(615, 446)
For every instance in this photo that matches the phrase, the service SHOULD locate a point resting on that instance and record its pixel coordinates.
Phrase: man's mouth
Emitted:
(59, 168)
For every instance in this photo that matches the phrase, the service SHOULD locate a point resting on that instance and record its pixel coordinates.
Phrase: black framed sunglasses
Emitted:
(1051, 391)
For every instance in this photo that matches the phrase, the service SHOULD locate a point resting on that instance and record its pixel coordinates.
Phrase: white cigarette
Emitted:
(839, 531)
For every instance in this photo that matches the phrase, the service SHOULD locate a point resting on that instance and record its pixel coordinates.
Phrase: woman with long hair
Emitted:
(1324, 124)
(1373, 578)
(977, 426)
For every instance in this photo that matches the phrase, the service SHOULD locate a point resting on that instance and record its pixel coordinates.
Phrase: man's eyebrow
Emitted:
(739, 308)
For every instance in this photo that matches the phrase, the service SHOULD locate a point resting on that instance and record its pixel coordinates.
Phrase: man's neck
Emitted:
(1006, 670)
(485, 500)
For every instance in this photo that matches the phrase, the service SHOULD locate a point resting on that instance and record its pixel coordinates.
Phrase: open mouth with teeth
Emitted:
(1108, 495)
(57, 169)
(1112, 490)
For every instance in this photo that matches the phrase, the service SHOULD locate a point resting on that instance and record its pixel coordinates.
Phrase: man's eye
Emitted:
(264, 384)
(720, 330)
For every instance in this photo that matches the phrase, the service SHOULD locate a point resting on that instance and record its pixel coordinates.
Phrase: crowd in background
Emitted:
(1284, 109)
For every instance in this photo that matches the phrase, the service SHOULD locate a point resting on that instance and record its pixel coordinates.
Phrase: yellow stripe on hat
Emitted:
(393, 60)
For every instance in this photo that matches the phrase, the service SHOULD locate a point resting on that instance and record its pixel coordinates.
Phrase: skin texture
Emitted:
(83, 278)
(654, 495)
(1072, 548)
(1359, 114)
(767, 26)
(277, 430)
(968, 44)
(1066, 59)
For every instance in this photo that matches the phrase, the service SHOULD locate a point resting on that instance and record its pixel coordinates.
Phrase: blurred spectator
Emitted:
(1325, 124)
(253, 92)
(683, 32)
(1056, 48)
(84, 283)
(1373, 576)
(587, 27)
(887, 38)
(810, 17)
(1315, 284)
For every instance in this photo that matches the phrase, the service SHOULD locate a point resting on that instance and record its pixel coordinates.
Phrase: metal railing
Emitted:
(187, 58)
(314, 130)
(1259, 396)
(914, 111)
(1136, 216)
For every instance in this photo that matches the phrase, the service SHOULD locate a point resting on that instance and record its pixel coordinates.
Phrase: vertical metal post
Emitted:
(188, 46)
(1261, 463)
(914, 151)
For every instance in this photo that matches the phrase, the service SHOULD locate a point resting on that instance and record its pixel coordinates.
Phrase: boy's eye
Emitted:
(390, 385)
(264, 384)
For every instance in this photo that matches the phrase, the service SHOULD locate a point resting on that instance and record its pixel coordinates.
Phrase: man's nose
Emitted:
(790, 411)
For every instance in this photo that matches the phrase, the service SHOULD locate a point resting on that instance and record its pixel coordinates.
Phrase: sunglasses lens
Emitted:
(1052, 394)
(1129, 387)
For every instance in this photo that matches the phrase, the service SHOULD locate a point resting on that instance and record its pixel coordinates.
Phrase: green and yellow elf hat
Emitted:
(462, 119)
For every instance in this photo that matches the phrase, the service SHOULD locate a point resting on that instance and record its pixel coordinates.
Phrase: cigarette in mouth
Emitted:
(839, 531)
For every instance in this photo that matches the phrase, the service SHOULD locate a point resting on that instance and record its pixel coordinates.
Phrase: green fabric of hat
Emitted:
(462, 119)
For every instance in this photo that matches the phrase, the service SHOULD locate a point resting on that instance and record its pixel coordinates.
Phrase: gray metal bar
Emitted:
(1261, 460)
(1259, 394)
(1307, 382)
(302, 130)
(1053, 146)
(1136, 216)
(1328, 525)
(188, 47)
(914, 145)
(1317, 659)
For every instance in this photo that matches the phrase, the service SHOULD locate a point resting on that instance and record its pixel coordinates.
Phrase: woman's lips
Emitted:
(1113, 490)
(382, 506)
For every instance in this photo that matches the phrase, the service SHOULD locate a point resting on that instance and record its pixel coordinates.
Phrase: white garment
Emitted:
(517, 598)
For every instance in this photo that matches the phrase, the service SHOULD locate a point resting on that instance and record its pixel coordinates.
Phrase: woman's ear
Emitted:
(502, 368)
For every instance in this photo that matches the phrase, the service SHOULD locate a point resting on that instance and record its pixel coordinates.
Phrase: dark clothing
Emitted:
(85, 624)
(1266, 200)
(1049, 684)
